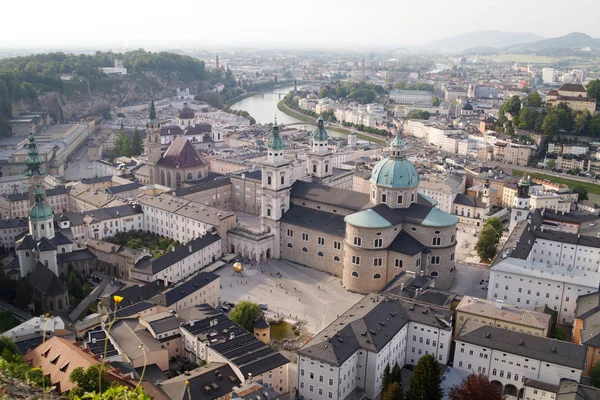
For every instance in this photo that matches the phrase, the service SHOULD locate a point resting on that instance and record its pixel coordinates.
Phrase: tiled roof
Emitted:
(502, 312)
(530, 346)
(181, 154)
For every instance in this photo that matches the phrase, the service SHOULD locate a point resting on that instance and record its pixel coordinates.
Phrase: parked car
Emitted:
(263, 307)
(592, 224)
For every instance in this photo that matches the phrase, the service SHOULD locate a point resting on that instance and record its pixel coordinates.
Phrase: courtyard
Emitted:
(291, 290)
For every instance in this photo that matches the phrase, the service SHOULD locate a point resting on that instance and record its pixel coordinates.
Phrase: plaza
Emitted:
(297, 292)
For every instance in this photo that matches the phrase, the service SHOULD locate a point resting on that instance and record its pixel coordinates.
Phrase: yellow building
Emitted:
(502, 316)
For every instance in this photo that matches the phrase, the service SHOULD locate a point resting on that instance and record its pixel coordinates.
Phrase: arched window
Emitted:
(434, 273)
(199, 174)
(290, 245)
(326, 168)
(494, 372)
(377, 276)
(283, 180)
(268, 180)
(60, 304)
(63, 250)
(315, 169)
(304, 249)
(516, 377)
(320, 254)
(501, 374)
(336, 259)
(26, 254)
(508, 375)
(189, 176)
(355, 274)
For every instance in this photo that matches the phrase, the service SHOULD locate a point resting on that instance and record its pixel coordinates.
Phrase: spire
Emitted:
(152, 111)
(320, 133)
(33, 159)
(275, 142)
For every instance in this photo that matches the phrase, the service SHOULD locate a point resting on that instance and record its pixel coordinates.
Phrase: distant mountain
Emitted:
(569, 41)
(485, 39)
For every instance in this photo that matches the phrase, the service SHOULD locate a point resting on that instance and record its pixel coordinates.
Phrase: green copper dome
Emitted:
(439, 218)
(524, 181)
(397, 142)
(395, 173)
(33, 161)
(41, 210)
(320, 134)
(367, 219)
(275, 142)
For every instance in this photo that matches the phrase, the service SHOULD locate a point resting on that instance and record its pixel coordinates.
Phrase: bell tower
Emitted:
(520, 209)
(276, 186)
(153, 142)
(34, 172)
(318, 162)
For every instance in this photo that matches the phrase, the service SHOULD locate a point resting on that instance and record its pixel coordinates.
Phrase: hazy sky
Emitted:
(309, 22)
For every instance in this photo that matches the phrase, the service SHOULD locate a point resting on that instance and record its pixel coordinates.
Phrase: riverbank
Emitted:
(281, 106)
(244, 96)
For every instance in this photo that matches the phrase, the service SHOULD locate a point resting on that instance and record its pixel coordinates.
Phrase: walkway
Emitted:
(85, 303)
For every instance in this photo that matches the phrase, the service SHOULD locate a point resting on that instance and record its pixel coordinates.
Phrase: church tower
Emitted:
(276, 186)
(34, 172)
(153, 143)
(319, 159)
(520, 209)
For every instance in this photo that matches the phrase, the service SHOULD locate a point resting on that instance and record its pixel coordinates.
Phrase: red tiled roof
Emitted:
(181, 154)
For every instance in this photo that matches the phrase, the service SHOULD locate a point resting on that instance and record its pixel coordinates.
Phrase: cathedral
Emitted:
(180, 163)
(365, 239)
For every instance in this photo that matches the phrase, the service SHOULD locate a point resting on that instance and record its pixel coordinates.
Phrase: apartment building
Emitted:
(509, 358)
(349, 355)
(410, 96)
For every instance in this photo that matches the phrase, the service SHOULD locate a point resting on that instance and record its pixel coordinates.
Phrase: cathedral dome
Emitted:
(395, 173)
(186, 113)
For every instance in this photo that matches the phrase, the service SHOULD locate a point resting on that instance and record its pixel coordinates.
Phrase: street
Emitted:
(78, 170)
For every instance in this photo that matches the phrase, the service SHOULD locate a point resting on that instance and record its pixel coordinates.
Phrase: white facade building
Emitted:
(530, 284)
(410, 96)
(548, 75)
(375, 332)
(509, 358)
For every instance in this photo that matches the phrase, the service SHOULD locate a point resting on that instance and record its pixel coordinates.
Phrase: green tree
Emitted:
(533, 99)
(24, 292)
(582, 191)
(486, 244)
(496, 224)
(435, 102)
(595, 375)
(425, 383)
(550, 164)
(527, 118)
(393, 392)
(581, 122)
(211, 98)
(550, 125)
(9, 351)
(418, 114)
(88, 380)
(386, 379)
(512, 105)
(396, 375)
(137, 146)
(476, 387)
(593, 89)
(245, 313)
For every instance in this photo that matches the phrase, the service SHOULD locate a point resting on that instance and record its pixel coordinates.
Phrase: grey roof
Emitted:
(206, 185)
(536, 347)
(136, 293)
(99, 179)
(256, 174)
(210, 382)
(165, 324)
(45, 245)
(567, 217)
(406, 244)
(75, 255)
(133, 309)
(13, 223)
(76, 219)
(469, 201)
(102, 214)
(123, 188)
(44, 281)
(29, 243)
(152, 266)
(315, 219)
(370, 324)
(56, 191)
(17, 197)
(534, 383)
(329, 195)
(233, 342)
(184, 289)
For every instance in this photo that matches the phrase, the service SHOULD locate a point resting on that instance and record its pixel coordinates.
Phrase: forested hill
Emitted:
(33, 82)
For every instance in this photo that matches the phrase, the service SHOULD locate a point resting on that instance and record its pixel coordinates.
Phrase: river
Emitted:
(264, 107)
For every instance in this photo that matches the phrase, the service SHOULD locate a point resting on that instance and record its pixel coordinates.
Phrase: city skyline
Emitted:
(266, 23)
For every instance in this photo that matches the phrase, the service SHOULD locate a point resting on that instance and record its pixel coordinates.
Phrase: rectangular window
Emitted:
(305, 236)
(378, 262)
(321, 241)
(378, 243)
(436, 241)
(383, 198)
(290, 233)
(337, 245)
(357, 241)
(400, 199)
(435, 260)
(356, 260)
(398, 263)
